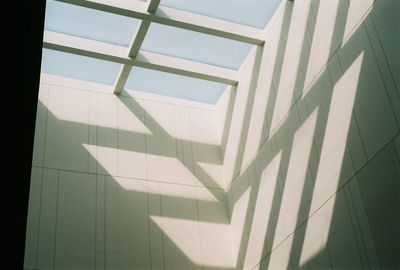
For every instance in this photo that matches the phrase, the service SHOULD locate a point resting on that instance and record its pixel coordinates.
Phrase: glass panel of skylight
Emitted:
(79, 67)
(254, 13)
(89, 23)
(195, 46)
(173, 85)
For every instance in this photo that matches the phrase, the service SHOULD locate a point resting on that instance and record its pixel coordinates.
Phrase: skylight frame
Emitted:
(151, 12)
(118, 54)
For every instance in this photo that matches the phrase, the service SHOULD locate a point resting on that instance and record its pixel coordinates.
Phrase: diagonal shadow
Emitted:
(310, 100)
(161, 134)
(268, 117)
(286, 130)
(118, 216)
(75, 127)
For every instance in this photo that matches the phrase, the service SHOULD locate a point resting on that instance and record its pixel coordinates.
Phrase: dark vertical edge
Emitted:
(23, 22)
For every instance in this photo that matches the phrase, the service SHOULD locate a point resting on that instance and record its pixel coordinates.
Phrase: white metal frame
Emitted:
(133, 56)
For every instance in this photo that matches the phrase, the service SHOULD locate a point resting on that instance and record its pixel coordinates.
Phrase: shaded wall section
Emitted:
(121, 182)
(314, 164)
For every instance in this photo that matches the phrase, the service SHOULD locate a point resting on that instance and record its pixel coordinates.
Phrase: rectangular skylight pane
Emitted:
(172, 85)
(195, 46)
(79, 67)
(88, 23)
(254, 13)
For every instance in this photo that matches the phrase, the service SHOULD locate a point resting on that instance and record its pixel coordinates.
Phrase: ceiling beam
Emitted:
(153, 6)
(176, 18)
(134, 50)
(185, 67)
(138, 39)
(118, 54)
(85, 47)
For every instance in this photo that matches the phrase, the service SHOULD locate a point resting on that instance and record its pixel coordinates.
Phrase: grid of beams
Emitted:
(176, 18)
(148, 13)
(135, 47)
(117, 54)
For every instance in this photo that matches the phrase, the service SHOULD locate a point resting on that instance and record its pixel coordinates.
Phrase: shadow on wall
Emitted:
(127, 218)
(80, 173)
(318, 188)
(321, 189)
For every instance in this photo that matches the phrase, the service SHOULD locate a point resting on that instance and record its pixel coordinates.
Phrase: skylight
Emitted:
(179, 48)
(162, 83)
(79, 67)
(254, 13)
(89, 23)
(195, 46)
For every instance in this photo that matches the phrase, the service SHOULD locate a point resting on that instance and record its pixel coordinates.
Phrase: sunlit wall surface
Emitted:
(295, 167)
(315, 167)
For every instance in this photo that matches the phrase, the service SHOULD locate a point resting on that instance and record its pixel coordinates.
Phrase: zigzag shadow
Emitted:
(323, 86)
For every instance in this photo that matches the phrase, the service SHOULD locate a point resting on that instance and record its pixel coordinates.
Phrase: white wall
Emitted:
(296, 167)
(128, 182)
(312, 154)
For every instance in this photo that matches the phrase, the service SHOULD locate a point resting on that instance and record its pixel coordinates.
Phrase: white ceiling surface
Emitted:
(167, 40)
